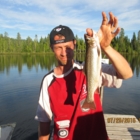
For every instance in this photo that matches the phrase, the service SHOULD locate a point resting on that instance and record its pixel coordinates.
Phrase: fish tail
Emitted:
(90, 105)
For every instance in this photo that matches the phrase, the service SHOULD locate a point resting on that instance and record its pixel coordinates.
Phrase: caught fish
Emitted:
(92, 69)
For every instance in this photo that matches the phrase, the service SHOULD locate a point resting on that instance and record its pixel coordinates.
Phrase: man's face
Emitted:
(64, 52)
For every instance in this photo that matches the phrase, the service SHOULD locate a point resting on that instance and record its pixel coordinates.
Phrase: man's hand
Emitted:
(108, 30)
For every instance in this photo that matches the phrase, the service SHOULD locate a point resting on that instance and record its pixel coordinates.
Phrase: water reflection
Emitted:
(19, 93)
(48, 61)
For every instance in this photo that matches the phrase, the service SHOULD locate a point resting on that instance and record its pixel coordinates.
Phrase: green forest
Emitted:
(18, 45)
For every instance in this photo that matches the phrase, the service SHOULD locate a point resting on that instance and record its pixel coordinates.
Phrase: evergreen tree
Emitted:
(139, 36)
(134, 42)
(138, 42)
(121, 34)
(127, 44)
(121, 41)
(28, 44)
(35, 43)
(77, 44)
(5, 35)
(19, 47)
(48, 43)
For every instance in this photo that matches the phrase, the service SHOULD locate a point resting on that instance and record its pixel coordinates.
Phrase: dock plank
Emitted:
(122, 127)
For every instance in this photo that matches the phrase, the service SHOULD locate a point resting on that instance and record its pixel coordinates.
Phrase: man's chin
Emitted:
(64, 63)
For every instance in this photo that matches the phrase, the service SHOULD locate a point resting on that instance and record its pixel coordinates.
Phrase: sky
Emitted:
(39, 17)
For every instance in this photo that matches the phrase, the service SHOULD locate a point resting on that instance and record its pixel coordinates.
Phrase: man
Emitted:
(63, 88)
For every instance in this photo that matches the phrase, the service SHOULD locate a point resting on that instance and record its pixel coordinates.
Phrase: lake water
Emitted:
(20, 79)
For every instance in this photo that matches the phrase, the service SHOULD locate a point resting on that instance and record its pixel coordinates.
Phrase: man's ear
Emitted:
(74, 42)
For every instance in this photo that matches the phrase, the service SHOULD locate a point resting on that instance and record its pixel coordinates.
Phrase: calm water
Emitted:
(20, 79)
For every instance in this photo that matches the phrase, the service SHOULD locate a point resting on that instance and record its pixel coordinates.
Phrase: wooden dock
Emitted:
(122, 127)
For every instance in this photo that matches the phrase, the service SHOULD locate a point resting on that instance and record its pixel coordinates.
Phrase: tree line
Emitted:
(18, 45)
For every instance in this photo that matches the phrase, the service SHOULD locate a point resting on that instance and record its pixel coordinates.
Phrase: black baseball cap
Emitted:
(63, 30)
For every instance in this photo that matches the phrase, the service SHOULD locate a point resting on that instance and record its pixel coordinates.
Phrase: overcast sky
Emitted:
(31, 17)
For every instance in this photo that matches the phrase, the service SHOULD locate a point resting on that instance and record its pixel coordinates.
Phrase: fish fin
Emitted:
(90, 105)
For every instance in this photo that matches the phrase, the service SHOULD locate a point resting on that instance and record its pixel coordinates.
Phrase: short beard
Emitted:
(68, 62)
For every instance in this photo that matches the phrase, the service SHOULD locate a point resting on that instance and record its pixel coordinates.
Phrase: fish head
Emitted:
(89, 41)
